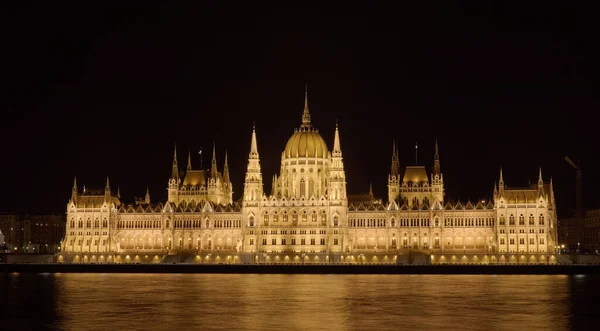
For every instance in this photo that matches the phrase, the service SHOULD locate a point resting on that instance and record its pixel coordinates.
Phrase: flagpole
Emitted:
(201, 164)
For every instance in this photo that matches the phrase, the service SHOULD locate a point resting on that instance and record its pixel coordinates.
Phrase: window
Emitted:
(531, 241)
(522, 241)
(392, 222)
(312, 241)
(335, 221)
(285, 216)
(322, 241)
(521, 219)
(302, 241)
(304, 217)
(335, 241)
(273, 241)
(541, 241)
(501, 241)
(511, 220)
(283, 241)
(531, 220)
(251, 243)
(502, 220)
(436, 222)
(275, 217)
(265, 241)
(250, 223)
(293, 241)
(314, 216)
(512, 241)
(541, 219)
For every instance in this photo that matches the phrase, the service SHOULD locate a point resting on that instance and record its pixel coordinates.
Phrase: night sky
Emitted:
(107, 90)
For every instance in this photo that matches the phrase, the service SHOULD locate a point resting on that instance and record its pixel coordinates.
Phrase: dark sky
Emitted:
(97, 90)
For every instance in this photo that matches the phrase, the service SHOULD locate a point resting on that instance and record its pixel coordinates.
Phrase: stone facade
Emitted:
(309, 218)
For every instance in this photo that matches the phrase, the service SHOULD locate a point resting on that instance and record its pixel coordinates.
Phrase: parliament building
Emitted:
(308, 217)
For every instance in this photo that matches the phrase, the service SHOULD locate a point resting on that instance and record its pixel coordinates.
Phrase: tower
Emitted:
(437, 179)
(394, 176)
(337, 176)
(253, 185)
(174, 181)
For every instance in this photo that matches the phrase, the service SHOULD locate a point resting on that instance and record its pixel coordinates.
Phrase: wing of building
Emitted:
(309, 218)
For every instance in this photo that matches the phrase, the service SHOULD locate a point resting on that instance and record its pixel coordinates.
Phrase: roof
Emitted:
(195, 177)
(415, 174)
(306, 143)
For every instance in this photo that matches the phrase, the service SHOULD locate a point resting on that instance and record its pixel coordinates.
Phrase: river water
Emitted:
(297, 302)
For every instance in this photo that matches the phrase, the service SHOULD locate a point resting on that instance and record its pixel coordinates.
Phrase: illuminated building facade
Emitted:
(309, 218)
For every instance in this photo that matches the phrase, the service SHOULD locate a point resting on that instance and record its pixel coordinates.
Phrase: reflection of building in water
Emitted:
(308, 217)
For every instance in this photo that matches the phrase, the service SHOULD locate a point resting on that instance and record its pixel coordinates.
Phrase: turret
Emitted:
(253, 186)
(394, 176)
(501, 184)
(337, 175)
(226, 170)
(175, 168)
(436, 160)
(540, 184)
(74, 193)
(213, 165)
(107, 191)
(189, 165)
(147, 198)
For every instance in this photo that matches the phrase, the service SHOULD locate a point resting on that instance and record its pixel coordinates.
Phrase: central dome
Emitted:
(306, 142)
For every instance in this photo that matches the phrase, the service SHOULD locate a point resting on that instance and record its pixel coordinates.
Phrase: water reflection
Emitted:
(295, 302)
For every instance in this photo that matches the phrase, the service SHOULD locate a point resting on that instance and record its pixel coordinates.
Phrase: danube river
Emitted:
(297, 302)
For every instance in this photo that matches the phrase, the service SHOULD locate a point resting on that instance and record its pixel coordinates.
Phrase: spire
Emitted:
(436, 160)
(118, 192)
(147, 199)
(213, 166)
(371, 189)
(540, 183)
(501, 183)
(336, 140)
(107, 190)
(189, 166)
(394, 169)
(305, 114)
(495, 189)
(253, 144)
(226, 170)
(74, 192)
(175, 169)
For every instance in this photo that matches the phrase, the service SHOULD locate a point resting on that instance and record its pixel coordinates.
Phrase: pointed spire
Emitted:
(74, 192)
(118, 192)
(226, 170)
(436, 159)
(213, 166)
(306, 113)
(147, 199)
(501, 178)
(253, 144)
(371, 189)
(107, 190)
(495, 188)
(189, 166)
(501, 183)
(540, 176)
(175, 169)
(336, 140)
(394, 169)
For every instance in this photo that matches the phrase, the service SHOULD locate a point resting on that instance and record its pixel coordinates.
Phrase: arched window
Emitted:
(335, 221)
(251, 221)
(393, 222)
(541, 222)
(436, 221)
(314, 216)
(302, 188)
